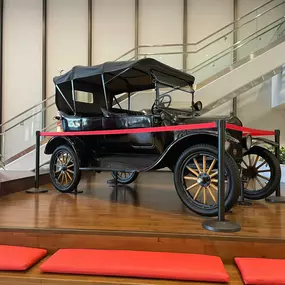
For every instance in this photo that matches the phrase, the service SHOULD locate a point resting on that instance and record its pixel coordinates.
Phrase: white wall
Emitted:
(22, 68)
(204, 18)
(254, 109)
(161, 22)
(113, 29)
(67, 42)
(207, 16)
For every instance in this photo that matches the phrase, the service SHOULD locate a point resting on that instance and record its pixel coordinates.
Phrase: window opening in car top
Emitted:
(84, 97)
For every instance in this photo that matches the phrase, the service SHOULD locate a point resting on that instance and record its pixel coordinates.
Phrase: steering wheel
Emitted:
(163, 101)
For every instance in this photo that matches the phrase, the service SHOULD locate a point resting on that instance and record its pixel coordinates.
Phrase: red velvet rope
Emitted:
(158, 129)
(135, 130)
(253, 132)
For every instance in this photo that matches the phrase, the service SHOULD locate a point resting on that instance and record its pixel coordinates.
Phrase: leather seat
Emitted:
(115, 112)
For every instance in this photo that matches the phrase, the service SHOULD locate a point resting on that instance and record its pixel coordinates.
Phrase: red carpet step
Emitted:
(124, 263)
(262, 271)
(17, 258)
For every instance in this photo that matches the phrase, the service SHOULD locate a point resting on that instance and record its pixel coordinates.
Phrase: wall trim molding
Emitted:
(1, 61)
(90, 32)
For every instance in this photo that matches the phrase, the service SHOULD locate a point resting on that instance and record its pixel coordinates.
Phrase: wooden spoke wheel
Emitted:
(196, 180)
(125, 177)
(262, 173)
(64, 169)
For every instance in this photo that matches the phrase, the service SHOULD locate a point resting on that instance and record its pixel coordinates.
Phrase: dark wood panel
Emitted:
(17, 181)
(226, 249)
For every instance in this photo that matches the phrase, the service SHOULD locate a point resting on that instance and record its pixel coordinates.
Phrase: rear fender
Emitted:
(75, 143)
(174, 150)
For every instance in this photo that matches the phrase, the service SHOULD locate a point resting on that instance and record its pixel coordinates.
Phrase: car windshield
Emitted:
(167, 98)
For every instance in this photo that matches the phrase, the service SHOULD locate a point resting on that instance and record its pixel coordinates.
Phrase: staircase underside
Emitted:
(242, 76)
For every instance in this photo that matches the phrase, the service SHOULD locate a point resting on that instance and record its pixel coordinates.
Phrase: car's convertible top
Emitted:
(124, 76)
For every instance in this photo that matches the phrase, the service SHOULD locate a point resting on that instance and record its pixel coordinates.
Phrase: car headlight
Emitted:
(198, 106)
(248, 142)
(227, 145)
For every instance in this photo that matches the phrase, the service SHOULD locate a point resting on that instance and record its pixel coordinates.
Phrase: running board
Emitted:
(123, 162)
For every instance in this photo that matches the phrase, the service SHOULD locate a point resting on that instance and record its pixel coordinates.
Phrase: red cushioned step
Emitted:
(144, 264)
(19, 258)
(262, 270)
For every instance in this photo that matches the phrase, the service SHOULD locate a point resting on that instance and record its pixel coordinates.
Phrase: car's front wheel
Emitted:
(262, 172)
(64, 169)
(196, 180)
(125, 177)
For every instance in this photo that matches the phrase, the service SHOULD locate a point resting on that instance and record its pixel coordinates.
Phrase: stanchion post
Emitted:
(114, 182)
(241, 199)
(221, 224)
(37, 188)
(277, 198)
(221, 168)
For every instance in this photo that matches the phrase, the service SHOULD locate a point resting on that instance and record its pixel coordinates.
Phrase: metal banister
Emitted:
(231, 48)
(25, 111)
(209, 36)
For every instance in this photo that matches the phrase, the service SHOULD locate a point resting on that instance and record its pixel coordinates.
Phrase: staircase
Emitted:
(234, 59)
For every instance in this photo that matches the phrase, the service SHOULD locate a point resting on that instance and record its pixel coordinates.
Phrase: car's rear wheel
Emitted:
(196, 180)
(64, 169)
(125, 177)
(262, 172)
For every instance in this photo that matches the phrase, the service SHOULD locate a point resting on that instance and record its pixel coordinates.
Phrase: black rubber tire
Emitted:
(233, 177)
(77, 173)
(275, 171)
(129, 180)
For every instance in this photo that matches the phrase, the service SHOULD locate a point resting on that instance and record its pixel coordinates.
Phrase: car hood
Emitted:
(229, 119)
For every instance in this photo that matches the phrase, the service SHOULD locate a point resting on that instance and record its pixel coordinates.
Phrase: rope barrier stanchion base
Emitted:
(36, 190)
(221, 226)
(76, 191)
(241, 200)
(275, 199)
(244, 203)
(113, 183)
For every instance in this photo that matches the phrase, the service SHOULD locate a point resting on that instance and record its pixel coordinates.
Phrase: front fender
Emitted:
(171, 154)
(182, 134)
(258, 141)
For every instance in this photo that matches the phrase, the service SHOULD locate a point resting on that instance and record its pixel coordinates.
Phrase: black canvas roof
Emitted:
(125, 76)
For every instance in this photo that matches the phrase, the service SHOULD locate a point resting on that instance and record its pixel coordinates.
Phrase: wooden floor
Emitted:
(151, 205)
(147, 215)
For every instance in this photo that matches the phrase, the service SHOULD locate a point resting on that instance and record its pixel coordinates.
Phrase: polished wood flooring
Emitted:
(151, 205)
(148, 215)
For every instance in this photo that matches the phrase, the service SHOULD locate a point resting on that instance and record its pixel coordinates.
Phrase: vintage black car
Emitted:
(88, 99)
